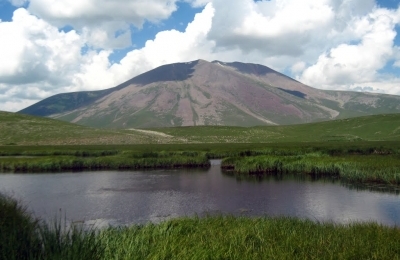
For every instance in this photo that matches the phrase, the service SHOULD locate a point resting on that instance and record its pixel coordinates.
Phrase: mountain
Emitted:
(210, 93)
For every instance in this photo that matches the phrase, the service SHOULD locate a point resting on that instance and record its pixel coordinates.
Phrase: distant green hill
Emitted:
(17, 129)
(367, 128)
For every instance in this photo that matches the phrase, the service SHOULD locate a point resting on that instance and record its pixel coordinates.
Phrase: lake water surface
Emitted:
(119, 198)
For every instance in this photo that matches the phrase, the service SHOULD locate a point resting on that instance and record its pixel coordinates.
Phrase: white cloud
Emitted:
(274, 27)
(168, 47)
(298, 67)
(103, 36)
(331, 44)
(34, 50)
(90, 12)
(356, 63)
(37, 60)
(18, 3)
(198, 3)
(101, 20)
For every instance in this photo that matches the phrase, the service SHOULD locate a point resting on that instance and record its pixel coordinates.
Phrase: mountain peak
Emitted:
(210, 93)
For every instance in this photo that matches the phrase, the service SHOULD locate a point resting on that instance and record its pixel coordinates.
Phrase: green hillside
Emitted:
(368, 128)
(17, 129)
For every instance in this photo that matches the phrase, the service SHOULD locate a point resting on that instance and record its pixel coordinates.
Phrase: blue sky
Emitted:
(48, 47)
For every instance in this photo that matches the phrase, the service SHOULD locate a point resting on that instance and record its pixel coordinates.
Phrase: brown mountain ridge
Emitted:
(210, 93)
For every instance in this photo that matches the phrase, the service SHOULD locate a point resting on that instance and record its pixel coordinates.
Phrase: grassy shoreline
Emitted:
(353, 169)
(361, 163)
(69, 163)
(218, 237)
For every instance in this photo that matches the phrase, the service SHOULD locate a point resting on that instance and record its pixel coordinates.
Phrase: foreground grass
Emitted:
(24, 237)
(226, 237)
(218, 237)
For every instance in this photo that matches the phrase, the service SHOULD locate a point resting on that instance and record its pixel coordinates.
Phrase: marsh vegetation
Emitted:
(218, 237)
(355, 151)
(361, 163)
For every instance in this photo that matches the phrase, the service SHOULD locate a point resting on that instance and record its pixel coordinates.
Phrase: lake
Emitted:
(122, 197)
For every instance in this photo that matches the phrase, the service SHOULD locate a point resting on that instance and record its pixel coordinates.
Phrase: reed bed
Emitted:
(219, 150)
(211, 237)
(24, 237)
(18, 231)
(364, 162)
(69, 163)
(376, 169)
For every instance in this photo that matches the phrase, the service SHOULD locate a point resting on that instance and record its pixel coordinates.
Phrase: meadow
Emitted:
(23, 130)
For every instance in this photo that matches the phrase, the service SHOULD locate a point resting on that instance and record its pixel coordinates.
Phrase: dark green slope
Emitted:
(64, 102)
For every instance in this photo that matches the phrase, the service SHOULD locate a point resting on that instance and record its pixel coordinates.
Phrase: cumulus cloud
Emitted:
(275, 27)
(173, 46)
(331, 44)
(91, 12)
(38, 60)
(356, 63)
(35, 50)
(104, 23)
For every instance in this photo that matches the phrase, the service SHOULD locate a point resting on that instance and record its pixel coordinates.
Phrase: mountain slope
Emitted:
(19, 129)
(366, 128)
(210, 93)
(30, 130)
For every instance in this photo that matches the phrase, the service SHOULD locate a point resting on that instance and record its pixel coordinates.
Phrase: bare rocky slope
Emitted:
(210, 93)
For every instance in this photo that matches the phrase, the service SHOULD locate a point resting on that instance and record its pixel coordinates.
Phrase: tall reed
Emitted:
(24, 237)
(353, 169)
(227, 237)
(211, 237)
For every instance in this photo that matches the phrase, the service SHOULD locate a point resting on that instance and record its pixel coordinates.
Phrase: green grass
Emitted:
(19, 129)
(89, 161)
(225, 237)
(361, 163)
(24, 237)
(212, 237)
(339, 140)
(368, 128)
(18, 234)
(354, 169)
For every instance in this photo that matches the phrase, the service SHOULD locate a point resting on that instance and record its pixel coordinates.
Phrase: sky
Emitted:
(56, 46)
